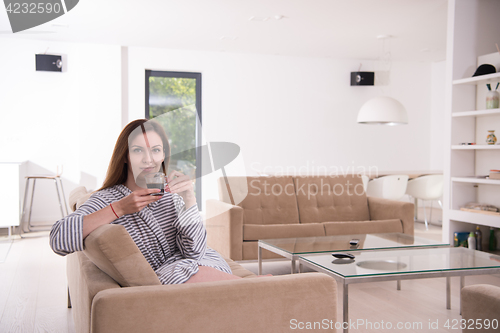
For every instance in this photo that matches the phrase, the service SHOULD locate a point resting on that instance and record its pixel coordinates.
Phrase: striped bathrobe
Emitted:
(172, 238)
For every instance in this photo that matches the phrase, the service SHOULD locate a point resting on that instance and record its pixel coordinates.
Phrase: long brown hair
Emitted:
(117, 169)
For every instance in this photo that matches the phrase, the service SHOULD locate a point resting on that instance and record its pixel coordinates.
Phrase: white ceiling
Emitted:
(312, 28)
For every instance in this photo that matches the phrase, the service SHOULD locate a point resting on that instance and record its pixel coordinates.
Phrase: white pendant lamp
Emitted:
(383, 111)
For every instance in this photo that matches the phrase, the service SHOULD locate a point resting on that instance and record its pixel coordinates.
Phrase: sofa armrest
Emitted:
(85, 281)
(224, 225)
(383, 209)
(481, 301)
(267, 304)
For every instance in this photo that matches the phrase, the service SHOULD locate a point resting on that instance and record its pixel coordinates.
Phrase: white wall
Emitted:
(282, 111)
(437, 116)
(299, 112)
(49, 118)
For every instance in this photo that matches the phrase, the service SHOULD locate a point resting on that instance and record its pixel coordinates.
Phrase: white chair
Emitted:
(388, 187)
(365, 179)
(426, 188)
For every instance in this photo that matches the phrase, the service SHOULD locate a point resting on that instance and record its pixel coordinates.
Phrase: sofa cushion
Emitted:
(238, 270)
(111, 248)
(256, 232)
(363, 227)
(331, 198)
(270, 200)
(384, 209)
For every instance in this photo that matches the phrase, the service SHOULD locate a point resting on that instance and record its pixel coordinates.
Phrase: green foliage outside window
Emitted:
(172, 103)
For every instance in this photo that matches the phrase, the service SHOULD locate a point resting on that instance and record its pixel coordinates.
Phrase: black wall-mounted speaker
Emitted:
(362, 78)
(48, 62)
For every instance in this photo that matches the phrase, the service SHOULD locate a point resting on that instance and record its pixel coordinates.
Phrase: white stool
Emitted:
(426, 188)
(388, 187)
(57, 181)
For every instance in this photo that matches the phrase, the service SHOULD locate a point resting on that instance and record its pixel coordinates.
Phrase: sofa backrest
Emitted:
(77, 197)
(270, 200)
(331, 198)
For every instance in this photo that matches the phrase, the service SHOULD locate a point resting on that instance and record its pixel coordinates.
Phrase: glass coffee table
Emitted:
(292, 248)
(402, 264)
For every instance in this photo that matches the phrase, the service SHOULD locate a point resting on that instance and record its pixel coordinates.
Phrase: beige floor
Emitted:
(33, 288)
(33, 292)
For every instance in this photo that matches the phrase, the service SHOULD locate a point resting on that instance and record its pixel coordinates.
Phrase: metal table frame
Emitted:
(346, 281)
(276, 250)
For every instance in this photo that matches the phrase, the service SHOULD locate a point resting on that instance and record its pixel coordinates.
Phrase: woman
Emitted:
(167, 229)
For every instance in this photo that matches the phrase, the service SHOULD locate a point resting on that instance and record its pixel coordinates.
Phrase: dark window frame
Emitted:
(186, 75)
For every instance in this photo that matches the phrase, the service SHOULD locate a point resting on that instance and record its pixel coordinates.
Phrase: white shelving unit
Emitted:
(475, 180)
(475, 147)
(472, 34)
(474, 218)
(483, 79)
(478, 113)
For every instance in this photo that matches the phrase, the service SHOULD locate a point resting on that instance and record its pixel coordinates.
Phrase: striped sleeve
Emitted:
(191, 237)
(66, 235)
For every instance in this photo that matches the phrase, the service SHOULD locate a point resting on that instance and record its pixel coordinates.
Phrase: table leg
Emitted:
(293, 265)
(69, 300)
(462, 285)
(448, 294)
(399, 285)
(259, 259)
(345, 307)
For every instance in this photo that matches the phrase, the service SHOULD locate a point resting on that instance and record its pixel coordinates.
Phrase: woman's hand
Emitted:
(135, 201)
(181, 184)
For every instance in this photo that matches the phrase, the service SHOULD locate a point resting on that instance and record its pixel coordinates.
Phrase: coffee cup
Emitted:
(156, 180)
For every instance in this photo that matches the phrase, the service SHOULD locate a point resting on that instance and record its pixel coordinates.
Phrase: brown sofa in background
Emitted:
(113, 289)
(301, 206)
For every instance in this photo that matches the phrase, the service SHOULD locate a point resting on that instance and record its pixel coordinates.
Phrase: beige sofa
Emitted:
(302, 206)
(113, 289)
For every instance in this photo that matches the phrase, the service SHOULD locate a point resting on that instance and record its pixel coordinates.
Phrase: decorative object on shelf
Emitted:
(485, 69)
(479, 239)
(484, 212)
(474, 207)
(460, 239)
(472, 241)
(492, 245)
(491, 139)
(492, 97)
(383, 110)
(481, 207)
(494, 174)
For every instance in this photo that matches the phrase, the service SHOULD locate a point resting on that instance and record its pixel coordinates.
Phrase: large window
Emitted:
(174, 100)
